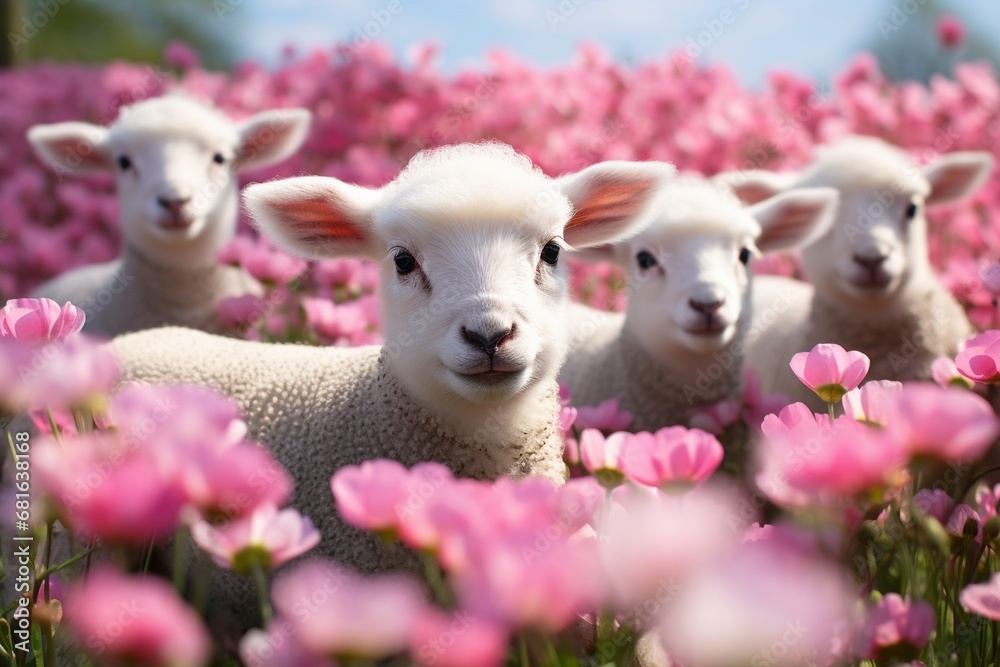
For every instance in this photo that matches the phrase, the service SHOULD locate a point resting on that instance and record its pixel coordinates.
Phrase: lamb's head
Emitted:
(688, 270)
(175, 160)
(469, 238)
(879, 242)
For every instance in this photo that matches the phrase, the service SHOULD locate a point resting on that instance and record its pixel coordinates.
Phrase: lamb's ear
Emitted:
(957, 175)
(609, 252)
(795, 218)
(72, 148)
(315, 216)
(610, 198)
(755, 185)
(271, 136)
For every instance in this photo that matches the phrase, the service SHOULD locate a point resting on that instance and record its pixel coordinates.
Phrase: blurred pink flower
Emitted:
(935, 503)
(983, 599)
(945, 373)
(457, 639)
(979, 359)
(368, 496)
(672, 456)
(273, 646)
(180, 55)
(717, 417)
(897, 626)
(867, 402)
(40, 320)
(606, 417)
(830, 370)
(950, 32)
(357, 617)
(267, 537)
(245, 310)
(961, 516)
(126, 621)
(945, 423)
(602, 456)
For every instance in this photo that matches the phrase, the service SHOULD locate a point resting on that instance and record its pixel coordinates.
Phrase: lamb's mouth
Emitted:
(873, 284)
(176, 223)
(712, 329)
(490, 376)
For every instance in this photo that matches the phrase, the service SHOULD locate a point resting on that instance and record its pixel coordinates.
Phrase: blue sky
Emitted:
(811, 37)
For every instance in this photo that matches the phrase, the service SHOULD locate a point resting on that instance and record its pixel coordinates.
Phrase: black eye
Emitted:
(745, 255)
(124, 162)
(911, 211)
(645, 259)
(405, 263)
(550, 253)
(218, 158)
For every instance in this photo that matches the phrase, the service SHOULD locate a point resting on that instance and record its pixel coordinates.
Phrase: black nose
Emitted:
(172, 204)
(706, 307)
(870, 263)
(488, 342)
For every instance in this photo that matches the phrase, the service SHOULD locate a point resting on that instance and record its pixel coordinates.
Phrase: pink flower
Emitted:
(671, 456)
(830, 370)
(867, 403)
(758, 404)
(717, 417)
(273, 646)
(949, 424)
(950, 32)
(245, 310)
(606, 417)
(457, 639)
(602, 456)
(989, 274)
(983, 599)
(40, 320)
(945, 373)
(896, 625)
(357, 617)
(960, 517)
(934, 503)
(135, 620)
(808, 459)
(87, 479)
(979, 359)
(180, 55)
(267, 538)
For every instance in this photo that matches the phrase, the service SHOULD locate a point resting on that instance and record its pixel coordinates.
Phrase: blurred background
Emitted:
(752, 37)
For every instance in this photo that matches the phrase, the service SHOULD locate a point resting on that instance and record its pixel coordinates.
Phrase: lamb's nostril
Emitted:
(870, 263)
(490, 341)
(173, 204)
(706, 307)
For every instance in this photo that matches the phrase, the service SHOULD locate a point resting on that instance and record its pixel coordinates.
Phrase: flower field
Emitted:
(866, 534)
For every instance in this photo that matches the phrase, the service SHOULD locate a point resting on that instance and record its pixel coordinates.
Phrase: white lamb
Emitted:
(175, 160)
(873, 288)
(679, 345)
(473, 296)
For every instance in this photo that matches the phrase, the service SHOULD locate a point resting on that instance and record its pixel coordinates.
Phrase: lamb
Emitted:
(873, 288)
(175, 161)
(680, 343)
(474, 298)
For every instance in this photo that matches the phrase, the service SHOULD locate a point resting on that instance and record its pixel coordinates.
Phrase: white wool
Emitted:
(177, 207)
(864, 162)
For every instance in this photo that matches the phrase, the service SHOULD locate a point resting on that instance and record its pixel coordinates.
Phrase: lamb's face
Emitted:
(174, 189)
(469, 239)
(175, 162)
(475, 310)
(877, 241)
(688, 290)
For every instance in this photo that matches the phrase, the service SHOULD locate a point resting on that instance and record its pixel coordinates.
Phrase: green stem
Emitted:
(149, 558)
(436, 581)
(260, 578)
(830, 409)
(180, 558)
(56, 433)
(203, 569)
(524, 650)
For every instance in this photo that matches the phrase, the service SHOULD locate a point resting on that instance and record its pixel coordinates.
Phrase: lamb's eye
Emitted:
(124, 162)
(550, 253)
(405, 262)
(645, 259)
(745, 255)
(911, 211)
(219, 158)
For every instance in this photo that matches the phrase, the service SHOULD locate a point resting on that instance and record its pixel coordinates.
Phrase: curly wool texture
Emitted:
(902, 344)
(319, 409)
(135, 293)
(610, 363)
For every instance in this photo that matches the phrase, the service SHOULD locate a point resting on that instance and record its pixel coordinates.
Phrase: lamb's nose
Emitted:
(172, 204)
(706, 307)
(870, 263)
(489, 341)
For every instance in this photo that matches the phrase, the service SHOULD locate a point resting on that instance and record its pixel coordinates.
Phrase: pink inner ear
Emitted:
(71, 148)
(318, 218)
(950, 183)
(787, 228)
(752, 193)
(611, 202)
